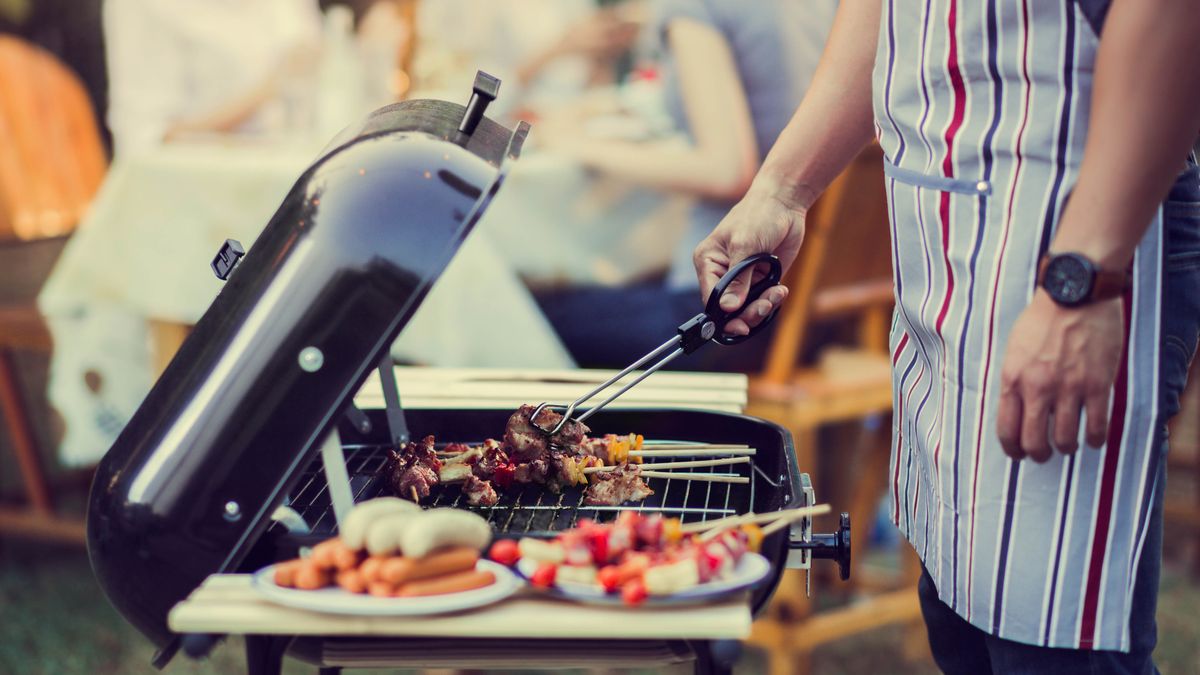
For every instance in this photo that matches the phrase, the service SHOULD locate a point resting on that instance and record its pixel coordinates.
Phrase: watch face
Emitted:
(1069, 279)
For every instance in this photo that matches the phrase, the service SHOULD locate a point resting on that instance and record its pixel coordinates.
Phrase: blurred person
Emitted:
(1045, 207)
(180, 67)
(732, 75)
(544, 51)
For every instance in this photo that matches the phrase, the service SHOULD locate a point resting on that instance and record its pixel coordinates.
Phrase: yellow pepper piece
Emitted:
(672, 530)
(754, 536)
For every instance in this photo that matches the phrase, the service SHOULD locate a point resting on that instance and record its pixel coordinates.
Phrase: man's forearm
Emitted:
(835, 119)
(1145, 116)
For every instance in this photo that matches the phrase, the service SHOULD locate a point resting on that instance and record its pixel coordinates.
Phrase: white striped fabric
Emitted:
(982, 109)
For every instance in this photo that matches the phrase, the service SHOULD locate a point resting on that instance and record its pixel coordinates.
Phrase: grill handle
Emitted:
(833, 546)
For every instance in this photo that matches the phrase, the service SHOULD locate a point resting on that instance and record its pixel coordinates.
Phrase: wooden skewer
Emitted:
(708, 477)
(788, 516)
(416, 497)
(652, 445)
(674, 465)
(697, 452)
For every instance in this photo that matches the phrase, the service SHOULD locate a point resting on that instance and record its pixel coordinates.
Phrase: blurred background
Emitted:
(138, 135)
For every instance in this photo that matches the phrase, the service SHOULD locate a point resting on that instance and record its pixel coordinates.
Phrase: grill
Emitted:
(531, 510)
(244, 419)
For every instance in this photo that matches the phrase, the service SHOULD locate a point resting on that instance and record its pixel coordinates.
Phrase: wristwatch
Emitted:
(1072, 280)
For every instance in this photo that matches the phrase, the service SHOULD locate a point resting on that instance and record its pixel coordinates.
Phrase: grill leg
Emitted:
(716, 657)
(264, 654)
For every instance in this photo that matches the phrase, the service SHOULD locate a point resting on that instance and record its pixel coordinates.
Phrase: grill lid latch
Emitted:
(227, 258)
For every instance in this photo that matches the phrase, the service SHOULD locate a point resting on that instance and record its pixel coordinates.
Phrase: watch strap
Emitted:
(1110, 284)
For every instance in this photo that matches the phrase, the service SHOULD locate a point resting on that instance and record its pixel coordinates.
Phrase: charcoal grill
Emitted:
(224, 466)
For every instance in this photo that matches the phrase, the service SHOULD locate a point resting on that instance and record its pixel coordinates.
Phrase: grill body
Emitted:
(187, 488)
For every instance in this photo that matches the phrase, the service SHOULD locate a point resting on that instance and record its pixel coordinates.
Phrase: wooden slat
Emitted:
(500, 389)
(33, 525)
(728, 381)
(227, 604)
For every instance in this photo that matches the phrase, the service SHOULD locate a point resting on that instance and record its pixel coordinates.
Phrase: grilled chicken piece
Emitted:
(524, 443)
(413, 470)
(491, 458)
(623, 484)
(479, 492)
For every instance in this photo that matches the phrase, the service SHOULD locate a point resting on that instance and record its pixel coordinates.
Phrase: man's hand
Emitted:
(760, 223)
(1059, 362)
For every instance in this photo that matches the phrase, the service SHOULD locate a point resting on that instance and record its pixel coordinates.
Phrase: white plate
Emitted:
(751, 570)
(334, 600)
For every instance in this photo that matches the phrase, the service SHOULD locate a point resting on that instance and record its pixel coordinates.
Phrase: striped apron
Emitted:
(982, 109)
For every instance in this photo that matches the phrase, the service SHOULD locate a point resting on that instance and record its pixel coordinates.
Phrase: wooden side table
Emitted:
(523, 630)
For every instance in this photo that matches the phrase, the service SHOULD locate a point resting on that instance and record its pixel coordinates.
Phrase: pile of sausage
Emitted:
(389, 548)
(637, 556)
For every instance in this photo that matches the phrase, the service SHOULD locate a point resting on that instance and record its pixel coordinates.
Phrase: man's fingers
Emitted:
(1008, 422)
(758, 311)
(1096, 432)
(735, 293)
(1034, 424)
(1066, 424)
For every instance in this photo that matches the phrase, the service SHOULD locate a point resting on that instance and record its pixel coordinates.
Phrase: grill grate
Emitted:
(533, 510)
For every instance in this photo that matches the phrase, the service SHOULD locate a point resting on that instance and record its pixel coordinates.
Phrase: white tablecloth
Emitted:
(143, 253)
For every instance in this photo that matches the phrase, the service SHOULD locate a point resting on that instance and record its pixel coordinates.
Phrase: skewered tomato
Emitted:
(634, 592)
(543, 576)
(609, 578)
(505, 552)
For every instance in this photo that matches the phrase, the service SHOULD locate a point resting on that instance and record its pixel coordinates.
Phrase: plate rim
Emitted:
(507, 583)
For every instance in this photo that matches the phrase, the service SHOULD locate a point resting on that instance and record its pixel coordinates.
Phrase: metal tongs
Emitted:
(707, 326)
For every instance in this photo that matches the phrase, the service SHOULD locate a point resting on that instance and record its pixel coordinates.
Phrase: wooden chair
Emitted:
(843, 274)
(51, 163)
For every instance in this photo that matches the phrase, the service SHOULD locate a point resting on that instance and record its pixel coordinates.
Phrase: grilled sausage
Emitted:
(381, 589)
(310, 577)
(441, 528)
(450, 583)
(371, 567)
(354, 530)
(323, 554)
(285, 573)
(352, 581)
(448, 561)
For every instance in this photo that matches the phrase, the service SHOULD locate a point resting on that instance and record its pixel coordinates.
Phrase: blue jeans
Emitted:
(959, 647)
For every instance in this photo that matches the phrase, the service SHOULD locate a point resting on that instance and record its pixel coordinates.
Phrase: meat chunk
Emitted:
(491, 457)
(524, 442)
(535, 471)
(413, 470)
(623, 484)
(479, 492)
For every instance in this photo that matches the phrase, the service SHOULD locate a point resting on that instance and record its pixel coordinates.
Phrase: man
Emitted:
(1044, 300)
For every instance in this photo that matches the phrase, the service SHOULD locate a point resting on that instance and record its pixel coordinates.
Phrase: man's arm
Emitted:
(830, 127)
(1145, 115)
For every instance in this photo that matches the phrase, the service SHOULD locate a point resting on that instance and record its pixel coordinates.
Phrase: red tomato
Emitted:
(609, 577)
(597, 539)
(634, 592)
(505, 552)
(543, 576)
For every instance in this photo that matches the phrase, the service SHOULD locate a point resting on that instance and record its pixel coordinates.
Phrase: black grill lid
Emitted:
(265, 376)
